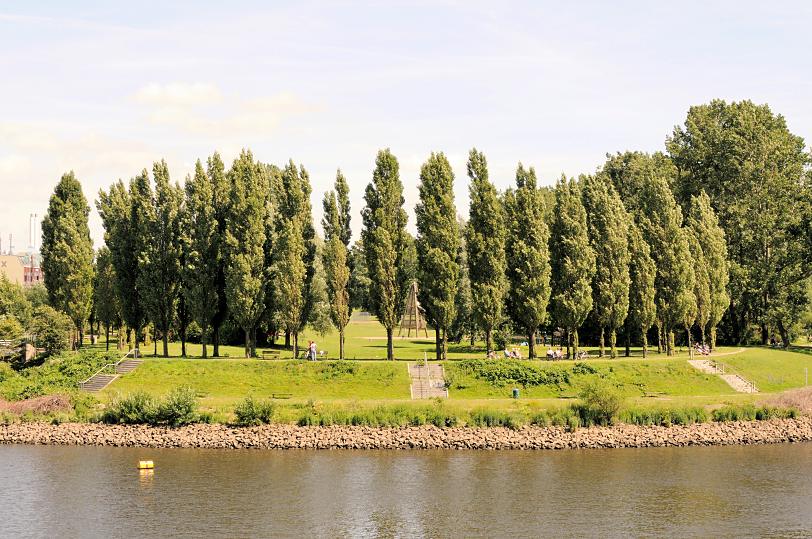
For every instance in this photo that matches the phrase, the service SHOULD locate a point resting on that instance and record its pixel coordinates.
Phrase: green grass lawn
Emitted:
(772, 370)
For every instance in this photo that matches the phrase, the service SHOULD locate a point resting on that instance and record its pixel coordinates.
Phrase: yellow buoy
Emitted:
(145, 465)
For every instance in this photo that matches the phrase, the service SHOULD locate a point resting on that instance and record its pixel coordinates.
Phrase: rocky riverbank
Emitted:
(424, 437)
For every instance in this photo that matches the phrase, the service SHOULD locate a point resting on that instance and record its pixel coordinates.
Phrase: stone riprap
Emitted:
(423, 437)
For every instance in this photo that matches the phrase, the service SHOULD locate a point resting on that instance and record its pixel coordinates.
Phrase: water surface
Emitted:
(97, 492)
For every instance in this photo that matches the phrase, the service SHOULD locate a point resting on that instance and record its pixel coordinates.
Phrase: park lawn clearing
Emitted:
(223, 382)
(771, 369)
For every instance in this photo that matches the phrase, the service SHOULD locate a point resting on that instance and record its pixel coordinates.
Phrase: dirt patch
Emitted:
(38, 405)
(800, 399)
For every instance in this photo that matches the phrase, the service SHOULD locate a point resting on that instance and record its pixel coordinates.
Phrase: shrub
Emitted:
(51, 329)
(252, 412)
(10, 329)
(663, 416)
(749, 412)
(495, 418)
(178, 408)
(600, 403)
(502, 372)
(133, 409)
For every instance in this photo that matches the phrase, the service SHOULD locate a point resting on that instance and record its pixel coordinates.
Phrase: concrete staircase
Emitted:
(735, 381)
(428, 380)
(104, 377)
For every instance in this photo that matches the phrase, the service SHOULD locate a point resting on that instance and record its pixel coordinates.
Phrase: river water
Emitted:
(703, 492)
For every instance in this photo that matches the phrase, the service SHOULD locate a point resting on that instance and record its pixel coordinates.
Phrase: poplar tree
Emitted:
(661, 224)
(699, 311)
(336, 225)
(160, 259)
(104, 292)
(711, 237)
(67, 252)
(245, 237)
(527, 254)
(642, 272)
(122, 211)
(437, 244)
(202, 267)
(464, 323)
(221, 190)
(573, 261)
(295, 250)
(485, 243)
(608, 226)
(385, 243)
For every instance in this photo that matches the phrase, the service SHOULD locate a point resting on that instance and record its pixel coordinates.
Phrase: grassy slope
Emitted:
(772, 370)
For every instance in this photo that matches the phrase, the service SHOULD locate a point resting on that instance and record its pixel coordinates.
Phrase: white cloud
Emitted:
(178, 94)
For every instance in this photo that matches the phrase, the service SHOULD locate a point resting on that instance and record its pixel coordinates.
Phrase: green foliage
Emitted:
(176, 409)
(67, 251)
(642, 273)
(485, 417)
(664, 417)
(245, 241)
(10, 329)
(504, 372)
(13, 301)
(573, 260)
(378, 416)
(336, 261)
(252, 412)
(754, 171)
(485, 238)
(437, 244)
(385, 243)
(105, 300)
(608, 226)
(527, 254)
(37, 295)
(51, 329)
(600, 403)
(58, 374)
(751, 412)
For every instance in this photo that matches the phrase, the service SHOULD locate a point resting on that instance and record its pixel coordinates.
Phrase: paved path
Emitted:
(100, 380)
(428, 380)
(737, 382)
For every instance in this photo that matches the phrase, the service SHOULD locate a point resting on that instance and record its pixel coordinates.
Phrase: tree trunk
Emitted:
(390, 347)
(107, 337)
(670, 344)
(702, 333)
(216, 340)
(600, 354)
(645, 344)
(287, 339)
(575, 344)
(438, 344)
(613, 344)
(165, 340)
(628, 336)
(444, 349)
(247, 343)
(765, 334)
(295, 343)
(488, 341)
(531, 344)
(341, 343)
(690, 348)
(569, 341)
(253, 343)
(137, 340)
(784, 333)
(659, 338)
(713, 339)
(203, 339)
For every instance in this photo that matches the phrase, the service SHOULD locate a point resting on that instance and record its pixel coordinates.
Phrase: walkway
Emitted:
(428, 380)
(736, 381)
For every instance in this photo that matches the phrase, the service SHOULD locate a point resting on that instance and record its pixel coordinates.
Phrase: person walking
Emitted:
(312, 350)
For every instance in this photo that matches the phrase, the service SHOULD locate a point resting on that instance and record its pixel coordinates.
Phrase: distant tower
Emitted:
(30, 232)
(10, 244)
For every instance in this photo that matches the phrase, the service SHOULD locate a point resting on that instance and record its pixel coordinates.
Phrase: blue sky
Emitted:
(107, 88)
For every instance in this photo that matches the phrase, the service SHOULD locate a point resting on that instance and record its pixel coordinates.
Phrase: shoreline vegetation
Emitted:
(216, 436)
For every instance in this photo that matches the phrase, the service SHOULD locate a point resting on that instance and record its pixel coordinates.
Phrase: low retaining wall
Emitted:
(424, 437)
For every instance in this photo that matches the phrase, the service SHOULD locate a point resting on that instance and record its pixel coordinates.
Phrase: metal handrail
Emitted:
(114, 365)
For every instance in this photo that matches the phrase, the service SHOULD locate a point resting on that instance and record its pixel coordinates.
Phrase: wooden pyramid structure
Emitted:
(413, 317)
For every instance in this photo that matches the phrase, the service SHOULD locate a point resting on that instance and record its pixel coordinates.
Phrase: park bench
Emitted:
(281, 395)
(271, 354)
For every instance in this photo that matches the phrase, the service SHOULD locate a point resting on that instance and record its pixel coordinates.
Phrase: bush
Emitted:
(663, 416)
(600, 403)
(10, 329)
(51, 329)
(178, 408)
(749, 412)
(58, 373)
(252, 412)
(502, 372)
(495, 418)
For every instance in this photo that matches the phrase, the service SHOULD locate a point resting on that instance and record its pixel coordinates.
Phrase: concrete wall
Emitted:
(12, 267)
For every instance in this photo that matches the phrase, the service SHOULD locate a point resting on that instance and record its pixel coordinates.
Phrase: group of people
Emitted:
(310, 353)
(555, 354)
(702, 349)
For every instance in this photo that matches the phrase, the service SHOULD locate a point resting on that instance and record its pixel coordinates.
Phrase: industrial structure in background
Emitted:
(23, 267)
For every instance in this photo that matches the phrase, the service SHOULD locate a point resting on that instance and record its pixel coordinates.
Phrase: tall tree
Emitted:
(705, 227)
(67, 252)
(336, 224)
(122, 212)
(245, 237)
(437, 244)
(485, 242)
(104, 292)
(464, 323)
(661, 224)
(161, 258)
(202, 266)
(385, 241)
(642, 272)
(753, 170)
(528, 255)
(359, 278)
(295, 250)
(608, 225)
(221, 190)
(573, 261)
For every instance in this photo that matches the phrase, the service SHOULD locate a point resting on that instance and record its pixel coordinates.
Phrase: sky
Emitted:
(107, 88)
